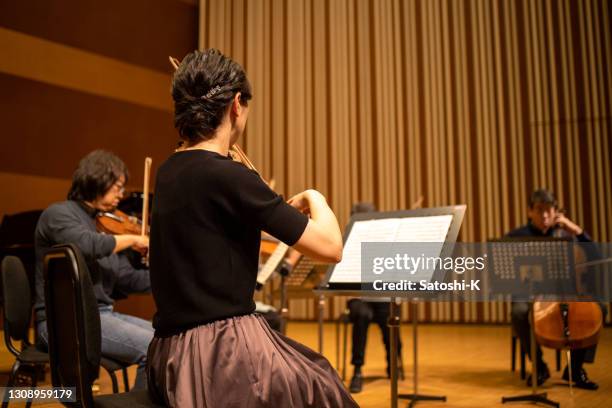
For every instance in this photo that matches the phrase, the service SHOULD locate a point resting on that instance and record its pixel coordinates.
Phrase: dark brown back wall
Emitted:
(141, 32)
(84, 75)
(48, 128)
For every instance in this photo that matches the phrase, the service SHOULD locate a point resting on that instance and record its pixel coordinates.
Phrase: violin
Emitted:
(118, 223)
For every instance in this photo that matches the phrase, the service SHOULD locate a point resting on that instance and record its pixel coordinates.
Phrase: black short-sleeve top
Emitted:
(206, 225)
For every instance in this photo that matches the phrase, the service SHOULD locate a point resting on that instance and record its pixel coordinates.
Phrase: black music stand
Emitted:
(350, 284)
(415, 396)
(271, 265)
(531, 267)
(267, 270)
(294, 277)
(301, 273)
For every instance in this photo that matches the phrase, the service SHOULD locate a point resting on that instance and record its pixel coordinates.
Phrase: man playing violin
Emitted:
(546, 220)
(97, 186)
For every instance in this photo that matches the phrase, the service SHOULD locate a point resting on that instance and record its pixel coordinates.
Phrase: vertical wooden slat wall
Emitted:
(476, 102)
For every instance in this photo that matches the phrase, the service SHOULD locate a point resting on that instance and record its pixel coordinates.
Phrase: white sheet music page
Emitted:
(412, 229)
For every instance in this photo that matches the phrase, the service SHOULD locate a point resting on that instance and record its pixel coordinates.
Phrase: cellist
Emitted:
(546, 220)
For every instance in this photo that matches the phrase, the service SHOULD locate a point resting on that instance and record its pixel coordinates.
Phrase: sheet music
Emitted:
(423, 229)
(272, 263)
(412, 229)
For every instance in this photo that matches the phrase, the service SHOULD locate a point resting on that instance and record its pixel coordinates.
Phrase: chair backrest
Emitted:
(17, 300)
(73, 322)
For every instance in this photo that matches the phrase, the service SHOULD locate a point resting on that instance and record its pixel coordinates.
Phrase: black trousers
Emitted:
(522, 327)
(361, 315)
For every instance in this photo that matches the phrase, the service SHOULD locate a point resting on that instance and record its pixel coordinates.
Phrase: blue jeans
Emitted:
(124, 338)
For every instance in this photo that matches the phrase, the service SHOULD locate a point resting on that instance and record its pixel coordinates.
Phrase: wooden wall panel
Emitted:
(76, 76)
(47, 129)
(474, 101)
(139, 32)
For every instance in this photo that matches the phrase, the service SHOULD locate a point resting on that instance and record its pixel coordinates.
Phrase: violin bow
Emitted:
(175, 63)
(418, 203)
(145, 196)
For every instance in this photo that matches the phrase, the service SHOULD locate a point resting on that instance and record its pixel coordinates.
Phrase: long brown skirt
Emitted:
(241, 362)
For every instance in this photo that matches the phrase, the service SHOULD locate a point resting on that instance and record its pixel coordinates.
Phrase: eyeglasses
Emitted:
(118, 187)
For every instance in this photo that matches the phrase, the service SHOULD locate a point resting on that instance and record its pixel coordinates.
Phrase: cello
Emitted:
(568, 325)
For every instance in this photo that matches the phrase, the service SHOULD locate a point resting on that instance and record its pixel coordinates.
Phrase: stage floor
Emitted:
(467, 363)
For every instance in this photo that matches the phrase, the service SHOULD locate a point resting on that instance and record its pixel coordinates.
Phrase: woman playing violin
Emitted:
(210, 349)
(97, 186)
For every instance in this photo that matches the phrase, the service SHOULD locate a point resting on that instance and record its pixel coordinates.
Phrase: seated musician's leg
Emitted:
(381, 317)
(589, 355)
(42, 339)
(522, 327)
(360, 314)
(126, 339)
(581, 356)
(579, 376)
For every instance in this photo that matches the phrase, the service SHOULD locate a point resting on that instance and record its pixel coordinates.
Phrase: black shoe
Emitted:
(543, 375)
(580, 379)
(356, 384)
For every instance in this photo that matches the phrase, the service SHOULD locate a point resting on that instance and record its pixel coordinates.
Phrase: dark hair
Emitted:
(542, 196)
(96, 174)
(203, 86)
(363, 207)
